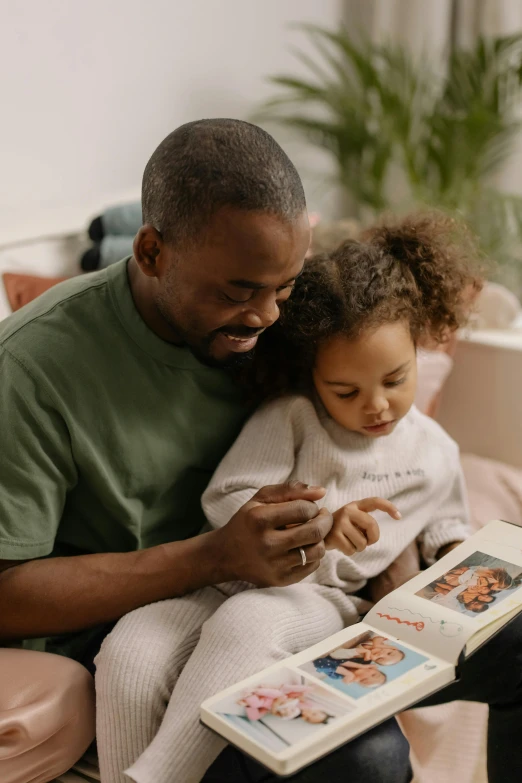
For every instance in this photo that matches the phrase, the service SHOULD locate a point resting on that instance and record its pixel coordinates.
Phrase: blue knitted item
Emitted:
(122, 220)
(114, 248)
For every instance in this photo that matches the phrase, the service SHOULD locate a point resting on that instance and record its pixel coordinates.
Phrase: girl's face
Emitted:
(476, 606)
(286, 708)
(368, 385)
(370, 677)
(386, 656)
(312, 715)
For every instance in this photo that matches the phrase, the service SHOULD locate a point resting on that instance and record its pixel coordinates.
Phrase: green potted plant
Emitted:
(405, 132)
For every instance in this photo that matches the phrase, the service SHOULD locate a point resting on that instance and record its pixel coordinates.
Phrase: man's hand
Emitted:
(261, 542)
(57, 595)
(354, 528)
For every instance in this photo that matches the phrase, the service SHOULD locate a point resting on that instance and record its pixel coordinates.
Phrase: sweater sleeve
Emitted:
(263, 454)
(451, 522)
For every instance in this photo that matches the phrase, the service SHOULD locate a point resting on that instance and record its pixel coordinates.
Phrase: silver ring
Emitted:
(303, 555)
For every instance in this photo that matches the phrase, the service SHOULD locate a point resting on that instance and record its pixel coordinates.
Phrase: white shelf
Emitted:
(510, 339)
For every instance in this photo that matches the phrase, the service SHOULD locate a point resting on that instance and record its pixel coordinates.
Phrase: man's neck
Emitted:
(141, 288)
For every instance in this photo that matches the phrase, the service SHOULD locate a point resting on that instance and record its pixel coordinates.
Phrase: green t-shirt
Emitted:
(109, 434)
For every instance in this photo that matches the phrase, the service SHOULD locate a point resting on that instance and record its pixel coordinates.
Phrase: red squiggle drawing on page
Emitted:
(419, 626)
(445, 628)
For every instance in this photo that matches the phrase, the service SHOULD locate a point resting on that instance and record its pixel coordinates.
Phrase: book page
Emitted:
(449, 607)
(323, 696)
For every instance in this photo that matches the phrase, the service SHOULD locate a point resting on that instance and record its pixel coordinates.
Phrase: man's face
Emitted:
(219, 294)
(477, 606)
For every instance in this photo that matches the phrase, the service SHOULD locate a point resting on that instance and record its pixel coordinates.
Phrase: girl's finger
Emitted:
(367, 524)
(342, 543)
(356, 537)
(336, 540)
(346, 547)
(379, 504)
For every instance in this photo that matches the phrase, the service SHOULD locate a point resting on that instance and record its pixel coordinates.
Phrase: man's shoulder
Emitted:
(58, 319)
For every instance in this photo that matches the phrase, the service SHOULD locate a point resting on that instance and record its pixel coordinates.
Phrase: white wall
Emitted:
(88, 88)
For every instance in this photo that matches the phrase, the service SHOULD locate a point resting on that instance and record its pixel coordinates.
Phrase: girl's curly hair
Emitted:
(421, 269)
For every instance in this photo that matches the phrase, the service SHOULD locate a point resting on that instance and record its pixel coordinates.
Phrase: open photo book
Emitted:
(409, 646)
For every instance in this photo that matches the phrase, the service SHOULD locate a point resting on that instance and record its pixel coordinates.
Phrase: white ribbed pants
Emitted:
(161, 661)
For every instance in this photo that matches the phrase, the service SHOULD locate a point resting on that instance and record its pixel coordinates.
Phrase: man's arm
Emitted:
(42, 595)
(60, 595)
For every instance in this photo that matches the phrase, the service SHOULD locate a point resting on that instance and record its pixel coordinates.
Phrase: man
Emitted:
(117, 407)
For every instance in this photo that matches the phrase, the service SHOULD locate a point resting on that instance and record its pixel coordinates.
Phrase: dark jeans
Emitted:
(379, 756)
(492, 675)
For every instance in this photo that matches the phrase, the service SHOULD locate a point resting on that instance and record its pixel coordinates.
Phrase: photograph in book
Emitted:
(477, 584)
(283, 709)
(364, 663)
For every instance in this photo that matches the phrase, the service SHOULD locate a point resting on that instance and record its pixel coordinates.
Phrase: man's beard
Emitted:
(235, 361)
(202, 350)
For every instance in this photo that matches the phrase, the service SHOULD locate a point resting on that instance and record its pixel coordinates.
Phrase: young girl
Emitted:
(341, 368)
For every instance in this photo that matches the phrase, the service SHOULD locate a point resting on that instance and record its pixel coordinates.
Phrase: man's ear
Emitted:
(147, 248)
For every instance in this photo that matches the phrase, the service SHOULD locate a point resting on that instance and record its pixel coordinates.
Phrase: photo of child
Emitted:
(282, 710)
(475, 585)
(364, 663)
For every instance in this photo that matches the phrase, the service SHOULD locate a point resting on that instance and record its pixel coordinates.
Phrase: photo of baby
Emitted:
(474, 586)
(282, 710)
(364, 663)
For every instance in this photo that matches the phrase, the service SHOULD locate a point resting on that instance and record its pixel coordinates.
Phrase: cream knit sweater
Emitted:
(416, 467)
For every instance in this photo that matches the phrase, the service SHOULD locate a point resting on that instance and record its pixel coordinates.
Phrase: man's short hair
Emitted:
(209, 164)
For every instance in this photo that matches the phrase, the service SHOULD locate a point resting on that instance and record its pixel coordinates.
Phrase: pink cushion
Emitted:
(47, 715)
(494, 490)
(22, 289)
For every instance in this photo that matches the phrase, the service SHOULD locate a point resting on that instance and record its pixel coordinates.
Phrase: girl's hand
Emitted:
(354, 528)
